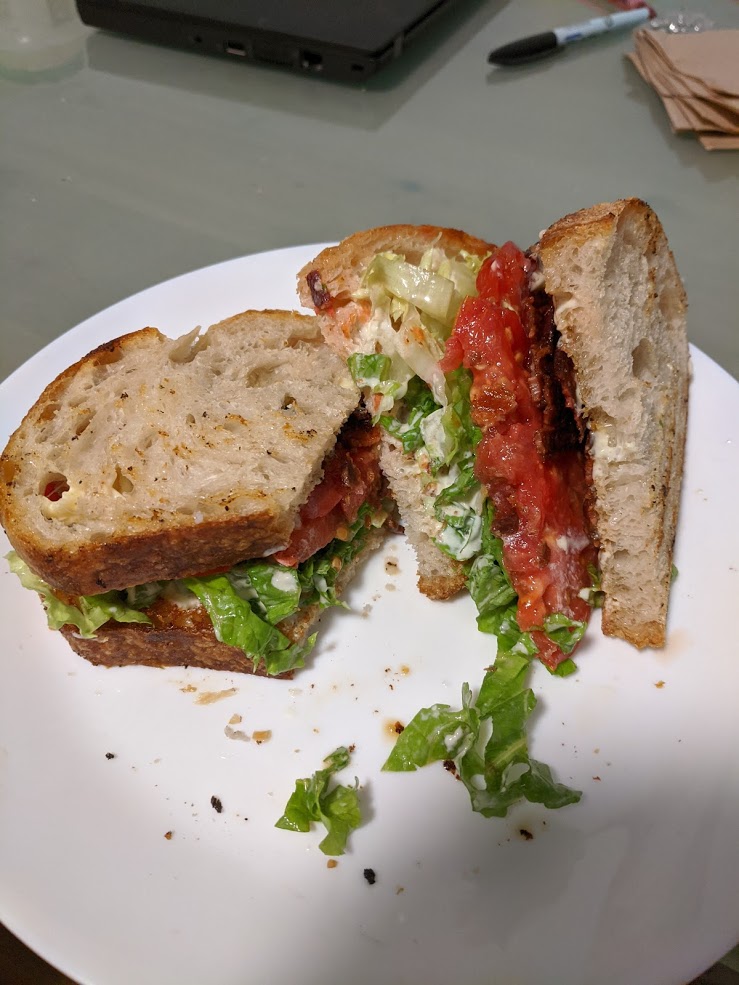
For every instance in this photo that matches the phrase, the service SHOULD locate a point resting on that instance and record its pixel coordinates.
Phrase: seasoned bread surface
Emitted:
(621, 310)
(168, 457)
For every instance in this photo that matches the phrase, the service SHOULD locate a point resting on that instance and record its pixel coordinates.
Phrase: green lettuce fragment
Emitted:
(336, 808)
(379, 374)
(92, 612)
(435, 734)
(274, 588)
(418, 403)
(236, 624)
(497, 772)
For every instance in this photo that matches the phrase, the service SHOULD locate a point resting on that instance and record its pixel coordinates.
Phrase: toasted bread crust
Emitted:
(168, 553)
(177, 638)
(197, 463)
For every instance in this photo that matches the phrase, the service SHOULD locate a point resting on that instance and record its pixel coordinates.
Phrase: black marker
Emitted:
(539, 45)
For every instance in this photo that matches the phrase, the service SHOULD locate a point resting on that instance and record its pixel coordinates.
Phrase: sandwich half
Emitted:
(195, 501)
(533, 409)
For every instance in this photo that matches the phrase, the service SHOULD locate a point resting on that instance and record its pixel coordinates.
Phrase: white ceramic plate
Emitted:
(636, 884)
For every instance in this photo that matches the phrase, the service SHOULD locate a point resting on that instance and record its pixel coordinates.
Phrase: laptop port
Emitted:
(311, 60)
(235, 48)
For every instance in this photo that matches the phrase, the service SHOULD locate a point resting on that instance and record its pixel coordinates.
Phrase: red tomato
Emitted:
(539, 501)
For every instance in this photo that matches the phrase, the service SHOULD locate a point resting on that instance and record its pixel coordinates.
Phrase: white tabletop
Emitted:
(132, 163)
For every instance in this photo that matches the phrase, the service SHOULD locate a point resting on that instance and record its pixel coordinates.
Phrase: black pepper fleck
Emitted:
(110, 755)
(215, 803)
(369, 875)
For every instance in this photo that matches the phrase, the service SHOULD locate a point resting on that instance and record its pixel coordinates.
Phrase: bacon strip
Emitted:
(351, 477)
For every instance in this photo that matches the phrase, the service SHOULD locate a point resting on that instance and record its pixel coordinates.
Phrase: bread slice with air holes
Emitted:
(620, 309)
(339, 271)
(157, 458)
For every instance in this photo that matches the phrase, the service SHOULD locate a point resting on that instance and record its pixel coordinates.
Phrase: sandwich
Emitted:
(195, 501)
(532, 408)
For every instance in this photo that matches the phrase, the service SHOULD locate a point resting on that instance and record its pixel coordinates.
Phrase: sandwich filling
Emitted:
(458, 361)
(530, 457)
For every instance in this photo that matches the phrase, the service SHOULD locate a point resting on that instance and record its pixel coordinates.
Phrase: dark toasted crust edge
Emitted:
(173, 552)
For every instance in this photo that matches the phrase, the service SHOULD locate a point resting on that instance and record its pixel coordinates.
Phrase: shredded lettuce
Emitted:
(497, 771)
(245, 604)
(418, 405)
(93, 610)
(336, 808)
(375, 372)
(426, 290)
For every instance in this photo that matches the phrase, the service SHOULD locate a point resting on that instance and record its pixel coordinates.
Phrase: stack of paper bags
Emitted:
(697, 77)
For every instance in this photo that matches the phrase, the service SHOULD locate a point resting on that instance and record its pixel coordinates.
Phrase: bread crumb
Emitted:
(235, 720)
(262, 736)
(188, 688)
(235, 733)
(210, 697)
(168, 835)
(660, 684)
(331, 864)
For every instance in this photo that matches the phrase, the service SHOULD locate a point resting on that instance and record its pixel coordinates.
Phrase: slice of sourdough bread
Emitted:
(327, 285)
(621, 310)
(155, 458)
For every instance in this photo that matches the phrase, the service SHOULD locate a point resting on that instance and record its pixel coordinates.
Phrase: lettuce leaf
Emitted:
(497, 772)
(93, 610)
(274, 588)
(236, 623)
(336, 808)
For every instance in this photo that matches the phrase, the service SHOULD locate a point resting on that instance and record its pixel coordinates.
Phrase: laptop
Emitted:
(346, 40)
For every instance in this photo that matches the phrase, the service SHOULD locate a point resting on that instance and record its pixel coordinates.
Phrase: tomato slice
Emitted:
(539, 499)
